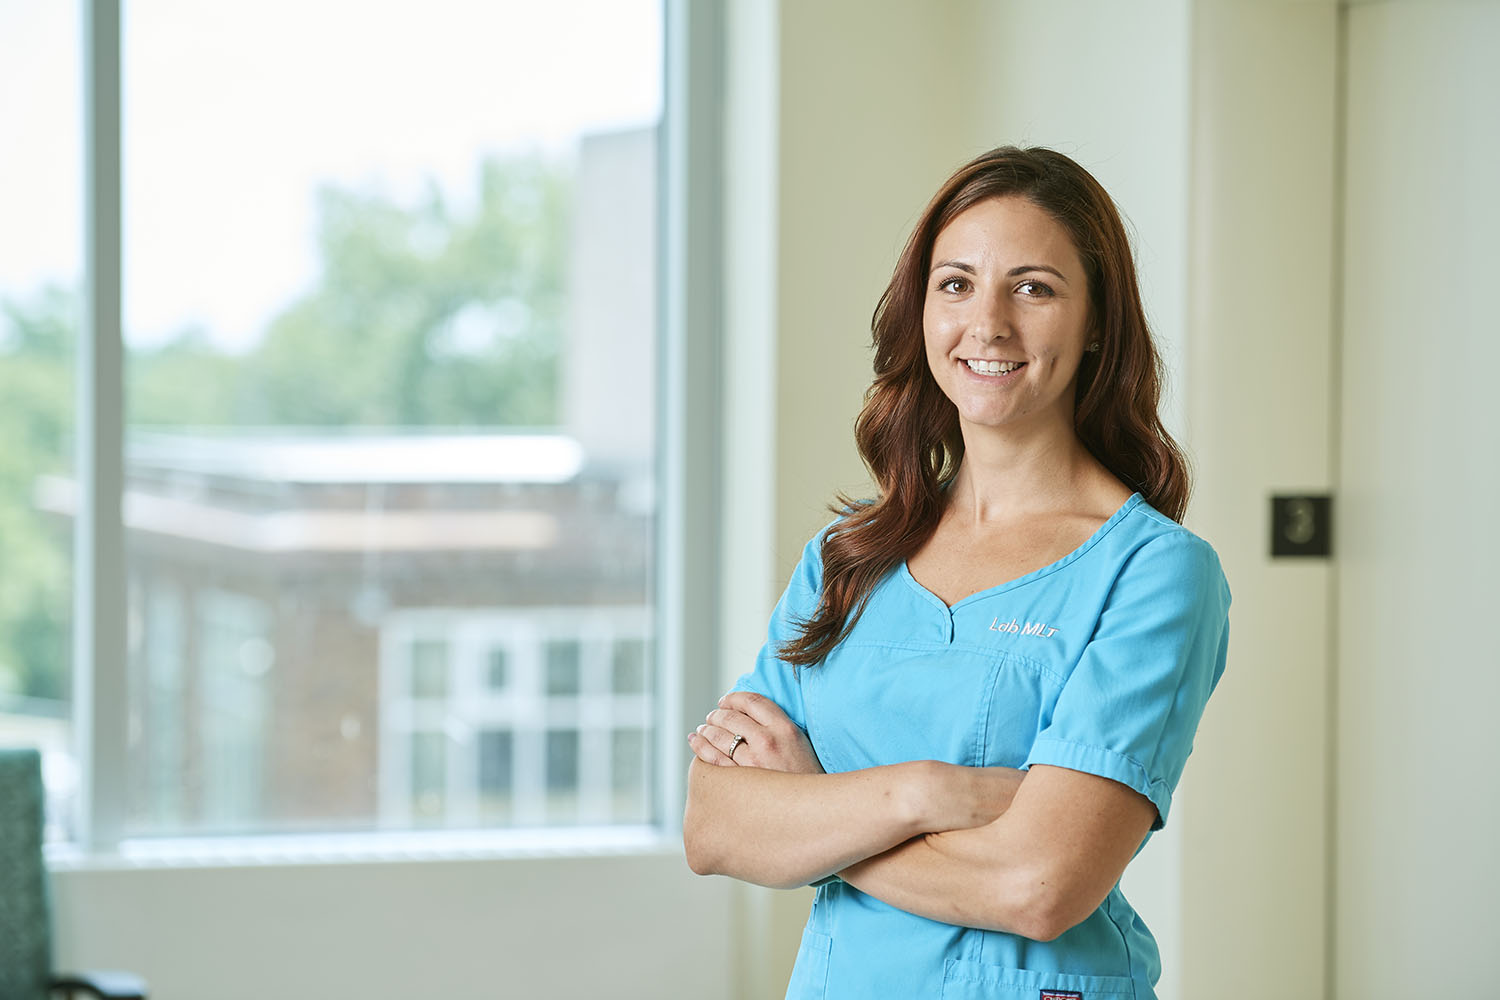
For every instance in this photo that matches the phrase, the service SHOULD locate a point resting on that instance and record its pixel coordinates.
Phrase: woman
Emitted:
(1001, 660)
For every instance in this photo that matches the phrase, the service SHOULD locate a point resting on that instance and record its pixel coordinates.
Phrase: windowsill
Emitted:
(373, 847)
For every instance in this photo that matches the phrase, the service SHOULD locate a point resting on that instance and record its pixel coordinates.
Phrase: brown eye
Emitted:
(955, 286)
(1034, 289)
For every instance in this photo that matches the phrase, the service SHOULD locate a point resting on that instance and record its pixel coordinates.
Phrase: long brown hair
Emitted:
(908, 430)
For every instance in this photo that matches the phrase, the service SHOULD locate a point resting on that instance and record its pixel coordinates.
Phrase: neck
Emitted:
(1005, 474)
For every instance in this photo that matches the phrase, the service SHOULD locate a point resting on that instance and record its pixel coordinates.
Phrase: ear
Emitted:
(1093, 334)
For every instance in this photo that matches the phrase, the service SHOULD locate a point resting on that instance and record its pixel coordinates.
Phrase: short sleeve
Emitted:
(1130, 707)
(773, 677)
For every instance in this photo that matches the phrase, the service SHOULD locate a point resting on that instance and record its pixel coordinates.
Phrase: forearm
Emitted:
(783, 829)
(958, 877)
(1038, 869)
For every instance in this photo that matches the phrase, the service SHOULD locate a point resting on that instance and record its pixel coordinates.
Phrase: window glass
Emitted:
(496, 766)
(429, 760)
(498, 676)
(629, 667)
(41, 257)
(562, 760)
(564, 666)
(630, 764)
(390, 327)
(429, 668)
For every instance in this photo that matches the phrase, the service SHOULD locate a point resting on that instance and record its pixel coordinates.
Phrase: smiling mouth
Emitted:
(979, 367)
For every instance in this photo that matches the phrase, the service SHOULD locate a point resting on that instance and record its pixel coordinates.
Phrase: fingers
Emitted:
(729, 744)
(756, 718)
(733, 722)
(758, 707)
(706, 751)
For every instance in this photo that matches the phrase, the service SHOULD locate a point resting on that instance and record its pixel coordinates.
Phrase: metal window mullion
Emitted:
(99, 613)
(689, 419)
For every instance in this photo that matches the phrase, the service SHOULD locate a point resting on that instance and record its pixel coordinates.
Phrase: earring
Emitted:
(1093, 348)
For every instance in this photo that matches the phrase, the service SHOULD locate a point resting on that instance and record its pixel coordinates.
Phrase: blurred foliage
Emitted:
(422, 315)
(36, 370)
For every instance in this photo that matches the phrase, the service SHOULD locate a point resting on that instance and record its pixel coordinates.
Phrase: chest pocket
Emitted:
(1020, 699)
(870, 704)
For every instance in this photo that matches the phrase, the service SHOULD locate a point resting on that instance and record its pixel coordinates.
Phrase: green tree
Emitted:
(36, 369)
(189, 381)
(422, 316)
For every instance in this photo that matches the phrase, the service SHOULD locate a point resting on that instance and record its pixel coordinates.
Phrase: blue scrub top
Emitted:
(1100, 662)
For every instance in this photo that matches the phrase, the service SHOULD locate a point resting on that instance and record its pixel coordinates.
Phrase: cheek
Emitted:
(1062, 350)
(1050, 359)
(933, 340)
(941, 329)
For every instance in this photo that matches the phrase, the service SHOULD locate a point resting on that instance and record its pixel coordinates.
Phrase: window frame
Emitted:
(688, 466)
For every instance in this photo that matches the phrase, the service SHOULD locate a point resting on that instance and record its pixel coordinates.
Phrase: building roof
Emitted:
(375, 458)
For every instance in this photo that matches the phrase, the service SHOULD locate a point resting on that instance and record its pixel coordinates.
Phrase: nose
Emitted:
(991, 320)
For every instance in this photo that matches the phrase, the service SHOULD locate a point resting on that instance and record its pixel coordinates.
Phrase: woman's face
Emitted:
(1006, 316)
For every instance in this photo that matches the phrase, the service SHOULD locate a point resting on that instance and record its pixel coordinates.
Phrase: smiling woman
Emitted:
(1003, 343)
(981, 687)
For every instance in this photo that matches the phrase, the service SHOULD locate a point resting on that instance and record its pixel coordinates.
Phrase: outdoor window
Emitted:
(561, 741)
(390, 475)
(41, 262)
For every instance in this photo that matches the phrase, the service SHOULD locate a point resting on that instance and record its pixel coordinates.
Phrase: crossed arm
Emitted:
(1029, 852)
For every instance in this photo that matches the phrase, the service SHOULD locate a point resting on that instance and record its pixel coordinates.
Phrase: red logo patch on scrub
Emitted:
(1060, 995)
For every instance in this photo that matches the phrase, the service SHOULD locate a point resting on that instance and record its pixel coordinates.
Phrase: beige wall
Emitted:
(1259, 360)
(397, 929)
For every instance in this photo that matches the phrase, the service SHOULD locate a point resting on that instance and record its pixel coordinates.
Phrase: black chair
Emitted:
(25, 920)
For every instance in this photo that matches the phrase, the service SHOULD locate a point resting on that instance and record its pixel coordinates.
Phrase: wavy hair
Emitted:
(908, 432)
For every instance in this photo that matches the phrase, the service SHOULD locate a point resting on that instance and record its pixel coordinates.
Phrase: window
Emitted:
(390, 497)
(40, 264)
(560, 743)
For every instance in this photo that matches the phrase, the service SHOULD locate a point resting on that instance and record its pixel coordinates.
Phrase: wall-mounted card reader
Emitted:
(1302, 525)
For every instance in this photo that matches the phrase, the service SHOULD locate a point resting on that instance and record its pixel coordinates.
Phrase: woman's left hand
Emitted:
(752, 731)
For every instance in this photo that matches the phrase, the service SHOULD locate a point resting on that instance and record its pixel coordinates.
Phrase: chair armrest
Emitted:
(103, 985)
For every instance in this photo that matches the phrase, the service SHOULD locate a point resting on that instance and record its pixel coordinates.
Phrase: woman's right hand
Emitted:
(751, 730)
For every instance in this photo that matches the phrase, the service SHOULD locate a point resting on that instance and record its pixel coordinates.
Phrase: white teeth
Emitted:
(992, 367)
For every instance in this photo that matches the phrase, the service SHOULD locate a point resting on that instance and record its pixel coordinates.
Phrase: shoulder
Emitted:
(807, 575)
(1155, 550)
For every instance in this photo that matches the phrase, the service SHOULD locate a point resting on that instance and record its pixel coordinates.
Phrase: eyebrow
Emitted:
(1012, 273)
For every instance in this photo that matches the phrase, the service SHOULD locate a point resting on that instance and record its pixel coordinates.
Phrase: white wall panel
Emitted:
(1260, 359)
(1419, 670)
